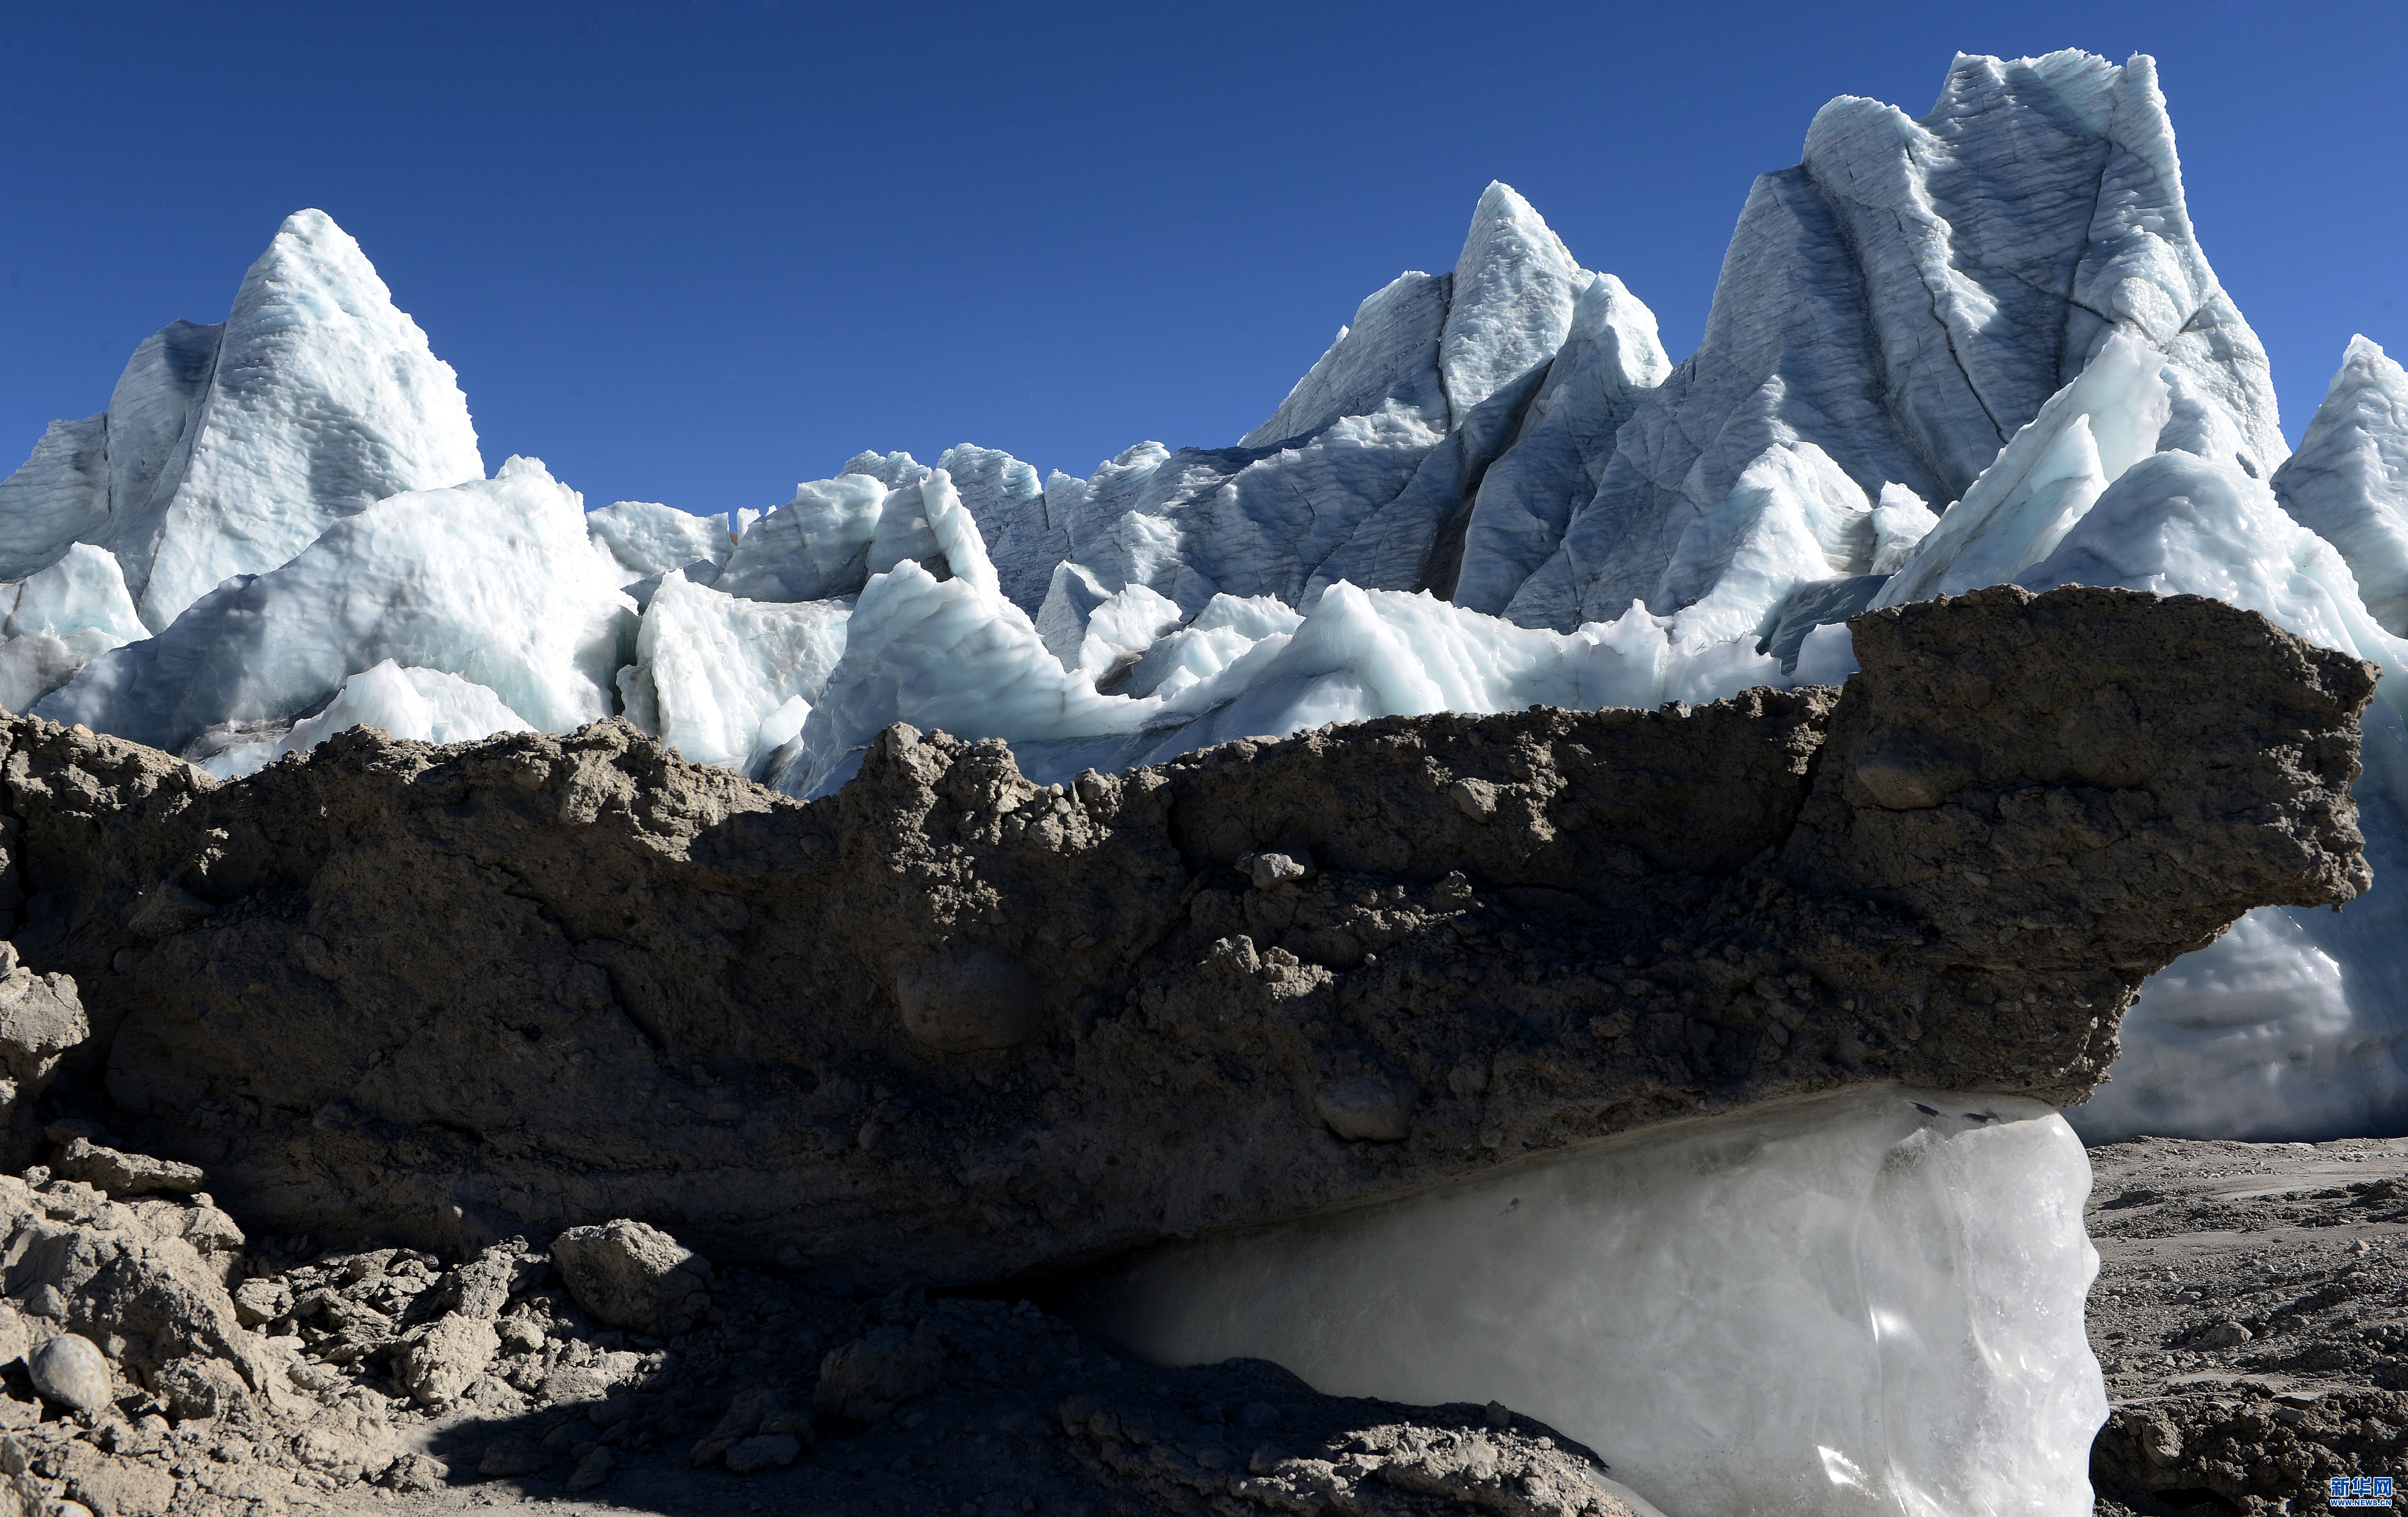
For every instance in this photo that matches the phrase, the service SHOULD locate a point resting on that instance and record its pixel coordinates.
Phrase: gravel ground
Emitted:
(2252, 1316)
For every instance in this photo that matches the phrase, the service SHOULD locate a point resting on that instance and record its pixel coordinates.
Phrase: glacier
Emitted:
(1868, 1302)
(1975, 345)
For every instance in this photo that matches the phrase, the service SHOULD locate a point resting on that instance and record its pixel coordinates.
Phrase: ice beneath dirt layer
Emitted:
(1856, 1304)
(1982, 345)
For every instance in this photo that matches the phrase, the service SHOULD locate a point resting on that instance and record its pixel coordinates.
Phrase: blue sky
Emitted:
(696, 251)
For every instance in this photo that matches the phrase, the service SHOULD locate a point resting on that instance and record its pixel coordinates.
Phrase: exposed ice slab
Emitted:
(1866, 1303)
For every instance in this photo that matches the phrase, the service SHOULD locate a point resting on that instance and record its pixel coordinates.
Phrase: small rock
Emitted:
(344, 1455)
(591, 1471)
(1257, 1415)
(44, 1300)
(485, 1285)
(257, 1302)
(522, 1333)
(165, 910)
(635, 1276)
(1497, 1417)
(1368, 1108)
(120, 1175)
(507, 1456)
(572, 1383)
(69, 1372)
(869, 1377)
(122, 1488)
(1474, 798)
(770, 1451)
(2225, 1335)
(16, 1336)
(195, 1386)
(762, 1410)
(414, 1474)
(1268, 870)
(439, 1362)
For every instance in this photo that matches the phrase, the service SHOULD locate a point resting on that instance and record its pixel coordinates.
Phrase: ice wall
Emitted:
(1867, 1302)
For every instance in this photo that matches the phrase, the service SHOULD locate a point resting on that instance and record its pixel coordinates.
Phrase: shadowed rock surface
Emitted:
(951, 1026)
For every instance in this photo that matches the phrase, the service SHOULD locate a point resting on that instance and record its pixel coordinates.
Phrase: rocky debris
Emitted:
(1465, 1460)
(631, 1275)
(758, 1432)
(311, 1394)
(591, 1471)
(781, 1028)
(2247, 1317)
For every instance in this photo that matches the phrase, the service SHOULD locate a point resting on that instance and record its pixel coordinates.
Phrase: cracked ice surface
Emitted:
(1869, 1303)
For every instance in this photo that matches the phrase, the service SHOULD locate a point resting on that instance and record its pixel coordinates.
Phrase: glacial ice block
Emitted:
(2349, 482)
(494, 580)
(710, 668)
(1909, 296)
(421, 706)
(644, 539)
(325, 399)
(60, 619)
(1869, 1303)
(1610, 360)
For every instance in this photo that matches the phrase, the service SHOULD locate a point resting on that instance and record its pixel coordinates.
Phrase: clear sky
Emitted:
(696, 251)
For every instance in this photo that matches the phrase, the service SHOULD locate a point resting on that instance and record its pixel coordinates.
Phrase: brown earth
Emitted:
(949, 1028)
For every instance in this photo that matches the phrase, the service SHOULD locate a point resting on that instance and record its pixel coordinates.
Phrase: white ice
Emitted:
(424, 705)
(711, 669)
(948, 655)
(228, 449)
(2349, 482)
(1909, 296)
(2047, 477)
(60, 619)
(496, 581)
(644, 541)
(1859, 1304)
